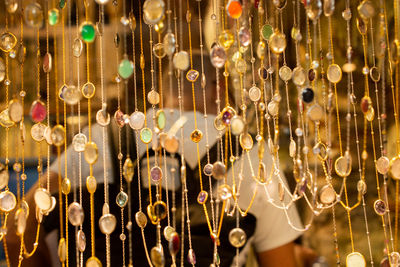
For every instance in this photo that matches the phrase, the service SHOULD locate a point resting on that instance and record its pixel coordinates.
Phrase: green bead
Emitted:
(62, 3)
(125, 68)
(87, 32)
(54, 15)
(146, 135)
(266, 31)
(161, 119)
(122, 199)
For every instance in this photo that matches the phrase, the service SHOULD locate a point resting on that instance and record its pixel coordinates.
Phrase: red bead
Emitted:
(38, 111)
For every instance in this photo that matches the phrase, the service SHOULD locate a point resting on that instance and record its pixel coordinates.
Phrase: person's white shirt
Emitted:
(272, 228)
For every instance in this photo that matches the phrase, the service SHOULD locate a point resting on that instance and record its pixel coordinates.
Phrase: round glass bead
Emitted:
(313, 9)
(277, 42)
(196, 136)
(299, 76)
(11, 5)
(234, 9)
(327, 195)
(202, 197)
(181, 60)
(15, 110)
(159, 51)
(285, 73)
(334, 73)
(7, 201)
(75, 214)
(383, 165)
(273, 108)
(33, 15)
(7, 42)
(226, 39)
(237, 237)
(329, 7)
(153, 11)
(315, 112)
(37, 132)
(125, 68)
(107, 223)
(157, 256)
(254, 94)
(296, 34)
(244, 36)
(136, 120)
(237, 125)
(87, 32)
(307, 95)
(156, 174)
(53, 16)
(88, 90)
(91, 153)
(153, 97)
(366, 9)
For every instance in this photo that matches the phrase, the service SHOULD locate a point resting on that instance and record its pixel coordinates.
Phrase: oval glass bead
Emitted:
(327, 195)
(355, 259)
(75, 214)
(237, 237)
(87, 32)
(91, 153)
(217, 56)
(153, 11)
(107, 223)
(277, 42)
(8, 201)
(42, 199)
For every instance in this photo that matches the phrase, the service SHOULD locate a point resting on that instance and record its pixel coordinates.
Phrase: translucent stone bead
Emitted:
(15, 110)
(128, 170)
(75, 214)
(91, 153)
(334, 73)
(125, 68)
(208, 168)
(79, 142)
(168, 232)
(321, 151)
(42, 199)
(107, 223)
(327, 195)
(202, 197)
(240, 66)
(156, 174)
(169, 42)
(224, 192)
(285, 73)
(277, 42)
(146, 135)
(292, 148)
(53, 16)
(37, 132)
(11, 5)
(383, 165)
(191, 257)
(136, 120)
(366, 9)
(395, 168)
(375, 74)
(7, 201)
(157, 256)
(103, 117)
(279, 4)
(7, 41)
(102, 2)
(266, 31)
(66, 186)
(307, 95)
(5, 119)
(218, 170)
(141, 219)
(174, 244)
(88, 90)
(244, 36)
(196, 136)
(87, 32)
(77, 47)
(161, 119)
(122, 199)
(362, 187)
(81, 241)
(20, 221)
(171, 144)
(237, 237)
(260, 49)
(119, 118)
(38, 111)
(181, 60)
(226, 39)
(299, 76)
(2, 70)
(296, 34)
(273, 108)
(380, 207)
(62, 250)
(93, 262)
(343, 165)
(234, 9)
(58, 135)
(153, 11)
(33, 15)
(246, 141)
(314, 9)
(315, 112)
(237, 125)
(329, 7)
(159, 51)
(192, 75)
(160, 210)
(72, 95)
(361, 26)
(254, 94)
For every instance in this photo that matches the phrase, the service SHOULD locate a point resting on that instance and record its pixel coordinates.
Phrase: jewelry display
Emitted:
(271, 122)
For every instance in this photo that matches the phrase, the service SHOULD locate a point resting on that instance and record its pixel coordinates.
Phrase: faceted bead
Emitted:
(202, 197)
(20, 221)
(37, 132)
(7, 201)
(277, 42)
(33, 15)
(7, 41)
(156, 174)
(119, 118)
(87, 32)
(75, 214)
(237, 237)
(279, 4)
(128, 170)
(208, 168)
(62, 3)
(226, 39)
(266, 31)
(153, 11)
(224, 192)
(321, 151)
(58, 135)
(42, 199)
(285, 73)
(234, 9)
(395, 168)
(93, 262)
(244, 36)
(168, 232)
(327, 195)
(66, 186)
(218, 170)
(91, 153)
(395, 258)
(157, 256)
(103, 117)
(237, 125)
(81, 241)
(141, 219)
(136, 120)
(380, 207)
(343, 165)
(160, 119)
(334, 73)
(296, 34)
(191, 256)
(91, 184)
(355, 259)
(196, 136)
(299, 76)
(146, 135)
(192, 75)
(366, 9)
(77, 47)
(79, 142)
(15, 110)
(307, 95)
(314, 9)
(361, 187)
(122, 199)
(218, 123)
(153, 97)
(107, 223)
(53, 16)
(38, 111)
(88, 90)
(246, 141)
(273, 108)
(169, 42)
(254, 94)
(159, 51)
(125, 68)
(312, 74)
(174, 244)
